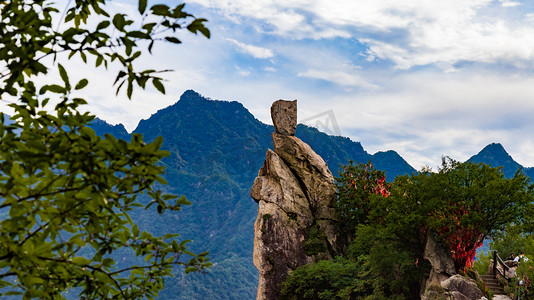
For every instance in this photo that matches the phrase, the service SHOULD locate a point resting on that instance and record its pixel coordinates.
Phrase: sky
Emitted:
(425, 78)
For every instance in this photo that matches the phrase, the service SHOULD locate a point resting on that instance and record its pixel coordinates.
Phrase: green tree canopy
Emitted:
(66, 193)
(460, 205)
(463, 203)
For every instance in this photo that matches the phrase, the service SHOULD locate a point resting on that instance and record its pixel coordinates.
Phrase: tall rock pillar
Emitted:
(295, 192)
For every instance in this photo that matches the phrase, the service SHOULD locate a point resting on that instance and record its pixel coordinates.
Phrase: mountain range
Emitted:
(217, 148)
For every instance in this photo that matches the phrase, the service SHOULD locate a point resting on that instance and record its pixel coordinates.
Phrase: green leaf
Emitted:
(158, 85)
(54, 88)
(173, 40)
(119, 76)
(64, 75)
(83, 56)
(135, 56)
(129, 89)
(108, 262)
(148, 257)
(160, 10)
(197, 25)
(138, 34)
(81, 84)
(102, 25)
(99, 60)
(119, 22)
(142, 6)
(135, 230)
(80, 261)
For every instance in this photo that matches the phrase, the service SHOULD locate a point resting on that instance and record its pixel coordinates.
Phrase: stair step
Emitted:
(493, 284)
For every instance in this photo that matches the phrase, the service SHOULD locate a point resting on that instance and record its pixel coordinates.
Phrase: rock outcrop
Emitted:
(443, 282)
(462, 288)
(295, 192)
(442, 267)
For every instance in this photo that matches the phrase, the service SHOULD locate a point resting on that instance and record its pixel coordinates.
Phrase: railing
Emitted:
(497, 260)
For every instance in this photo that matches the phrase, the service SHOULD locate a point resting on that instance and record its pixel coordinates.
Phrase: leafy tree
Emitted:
(464, 203)
(337, 279)
(512, 240)
(482, 261)
(460, 205)
(66, 193)
(357, 185)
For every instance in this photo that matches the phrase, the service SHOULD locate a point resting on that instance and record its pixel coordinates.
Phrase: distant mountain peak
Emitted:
(101, 127)
(495, 155)
(192, 96)
(494, 148)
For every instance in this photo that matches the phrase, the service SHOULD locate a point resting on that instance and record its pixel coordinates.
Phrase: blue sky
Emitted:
(425, 78)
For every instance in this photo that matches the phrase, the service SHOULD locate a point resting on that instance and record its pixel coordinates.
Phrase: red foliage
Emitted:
(462, 240)
(370, 184)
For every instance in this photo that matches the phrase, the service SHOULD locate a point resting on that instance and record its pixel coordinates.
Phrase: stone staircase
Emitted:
(493, 284)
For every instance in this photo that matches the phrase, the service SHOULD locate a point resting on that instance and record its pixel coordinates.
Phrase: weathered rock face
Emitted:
(284, 116)
(442, 264)
(440, 258)
(462, 288)
(443, 282)
(295, 192)
(316, 179)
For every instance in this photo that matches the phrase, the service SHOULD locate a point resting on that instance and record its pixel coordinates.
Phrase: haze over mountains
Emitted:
(217, 148)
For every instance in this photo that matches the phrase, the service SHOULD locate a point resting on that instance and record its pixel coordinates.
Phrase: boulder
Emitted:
(284, 116)
(461, 288)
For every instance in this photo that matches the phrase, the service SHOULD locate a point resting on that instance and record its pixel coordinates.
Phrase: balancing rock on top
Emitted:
(284, 116)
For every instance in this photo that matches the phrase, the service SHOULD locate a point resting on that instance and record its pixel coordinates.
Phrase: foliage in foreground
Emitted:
(66, 193)
(325, 280)
(460, 205)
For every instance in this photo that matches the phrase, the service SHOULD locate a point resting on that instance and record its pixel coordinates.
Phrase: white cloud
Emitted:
(339, 77)
(242, 72)
(422, 113)
(255, 51)
(444, 114)
(409, 33)
(508, 3)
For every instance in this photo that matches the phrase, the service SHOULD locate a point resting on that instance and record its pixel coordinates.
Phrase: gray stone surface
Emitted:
(440, 258)
(462, 288)
(279, 227)
(295, 192)
(442, 264)
(284, 116)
